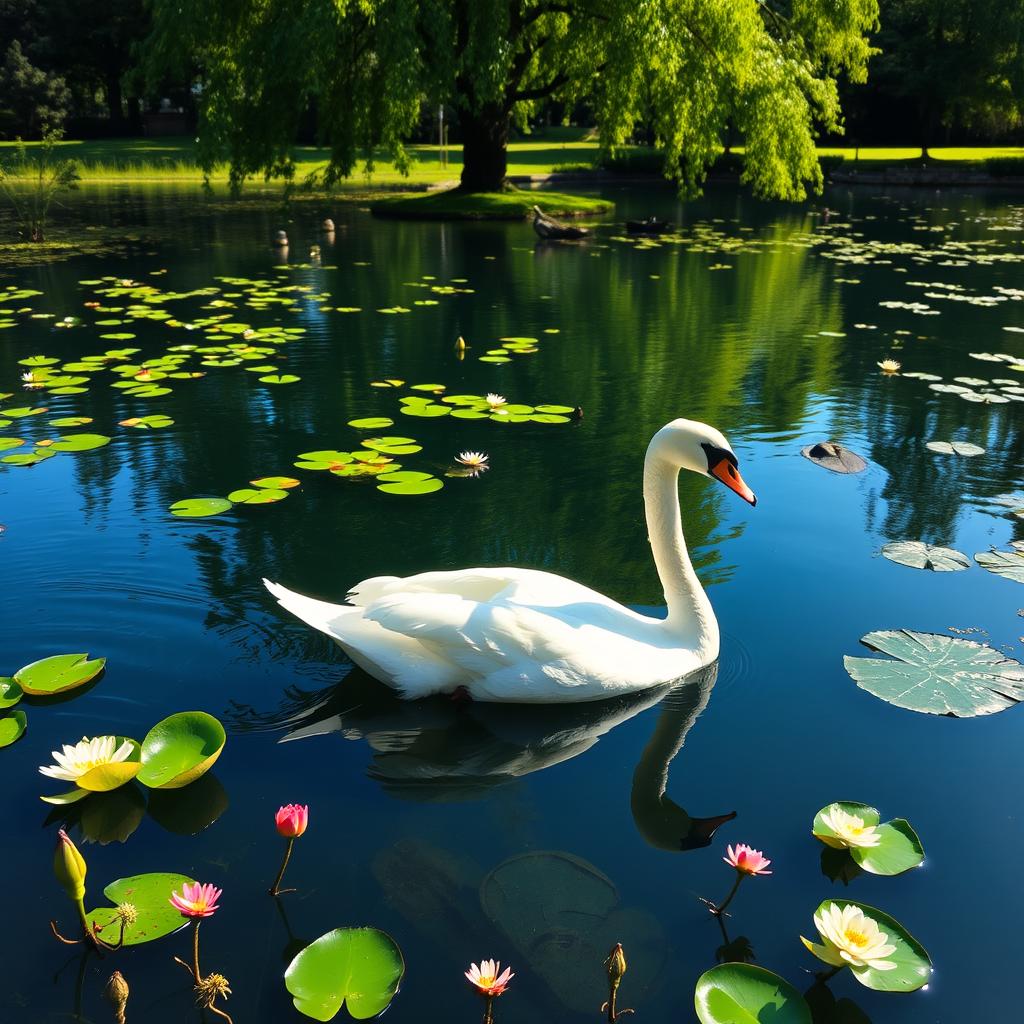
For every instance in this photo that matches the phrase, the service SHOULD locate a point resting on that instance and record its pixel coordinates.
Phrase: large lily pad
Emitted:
(257, 495)
(10, 693)
(899, 849)
(199, 508)
(12, 727)
(360, 968)
(913, 965)
(919, 555)
(938, 675)
(58, 674)
(745, 994)
(150, 895)
(1008, 564)
(180, 749)
(80, 442)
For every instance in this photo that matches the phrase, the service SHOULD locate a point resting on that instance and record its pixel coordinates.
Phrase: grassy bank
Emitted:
(173, 160)
(451, 204)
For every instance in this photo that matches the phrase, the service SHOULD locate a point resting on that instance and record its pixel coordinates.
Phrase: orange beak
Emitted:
(730, 476)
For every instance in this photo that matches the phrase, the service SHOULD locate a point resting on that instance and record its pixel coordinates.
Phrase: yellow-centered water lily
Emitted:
(850, 939)
(849, 829)
(889, 366)
(75, 762)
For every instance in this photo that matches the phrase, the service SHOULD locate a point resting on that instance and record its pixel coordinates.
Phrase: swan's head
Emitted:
(688, 444)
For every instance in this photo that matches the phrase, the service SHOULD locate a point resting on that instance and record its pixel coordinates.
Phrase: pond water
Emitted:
(536, 836)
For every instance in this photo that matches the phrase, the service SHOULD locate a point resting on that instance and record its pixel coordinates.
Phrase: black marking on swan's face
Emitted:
(715, 455)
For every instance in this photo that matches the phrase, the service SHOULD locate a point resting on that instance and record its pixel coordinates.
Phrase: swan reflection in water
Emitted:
(439, 750)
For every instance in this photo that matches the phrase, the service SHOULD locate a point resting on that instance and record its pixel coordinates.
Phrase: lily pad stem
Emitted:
(275, 889)
(719, 909)
(195, 952)
(489, 1009)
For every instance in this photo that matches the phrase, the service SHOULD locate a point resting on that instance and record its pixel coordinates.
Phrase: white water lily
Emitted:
(474, 460)
(75, 761)
(850, 829)
(495, 401)
(850, 939)
(30, 380)
(889, 366)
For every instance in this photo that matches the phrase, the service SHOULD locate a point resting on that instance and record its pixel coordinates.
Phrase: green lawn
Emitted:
(173, 159)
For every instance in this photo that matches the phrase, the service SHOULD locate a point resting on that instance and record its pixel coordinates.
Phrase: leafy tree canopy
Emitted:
(962, 61)
(688, 68)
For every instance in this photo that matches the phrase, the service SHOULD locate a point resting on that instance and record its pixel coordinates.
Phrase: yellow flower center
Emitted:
(856, 938)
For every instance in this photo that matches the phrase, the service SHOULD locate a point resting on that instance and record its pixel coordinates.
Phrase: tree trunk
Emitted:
(114, 100)
(484, 149)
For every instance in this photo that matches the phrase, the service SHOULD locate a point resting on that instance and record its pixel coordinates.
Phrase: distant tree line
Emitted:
(947, 71)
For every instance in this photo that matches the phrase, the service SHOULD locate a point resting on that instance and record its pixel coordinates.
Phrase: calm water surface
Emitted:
(540, 837)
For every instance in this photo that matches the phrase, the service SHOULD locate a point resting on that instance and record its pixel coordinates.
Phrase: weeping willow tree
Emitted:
(687, 68)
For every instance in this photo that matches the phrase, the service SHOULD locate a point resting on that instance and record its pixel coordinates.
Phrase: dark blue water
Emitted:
(539, 837)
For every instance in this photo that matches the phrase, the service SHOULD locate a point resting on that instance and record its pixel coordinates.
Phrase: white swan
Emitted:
(521, 635)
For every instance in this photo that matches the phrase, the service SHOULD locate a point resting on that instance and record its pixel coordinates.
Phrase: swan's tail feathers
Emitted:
(320, 615)
(395, 659)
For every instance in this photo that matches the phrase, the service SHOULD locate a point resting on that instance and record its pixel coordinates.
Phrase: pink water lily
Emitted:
(487, 979)
(291, 820)
(747, 860)
(196, 900)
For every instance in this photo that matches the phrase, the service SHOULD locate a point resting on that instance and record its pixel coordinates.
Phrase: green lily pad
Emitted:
(12, 728)
(58, 674)
(180, 749)
(22, 411)
(372, 423)
(10, 693)
(470, 414)
(547, 417)
(744, 994)
(7, 443)
(427, 410)
(199, 508)
(557, 410)
(156, 422)
(80, 442)
(30, 458)
(257, 495)
(323, 460)
(359, 968)
(899, 849)
(276, 482)
(408, 482)
(1008, 564)
(913, 965)
(71, 421)
(277, 378)
(150, 895)
(110, 776)
(937, 675)
(38, 361)
(393, 445)
(919, 555)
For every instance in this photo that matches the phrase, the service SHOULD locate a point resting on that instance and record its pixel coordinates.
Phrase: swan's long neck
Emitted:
(690, 615)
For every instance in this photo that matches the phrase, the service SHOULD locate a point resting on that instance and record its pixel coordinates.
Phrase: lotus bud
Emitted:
(616, 964)
(69, 867)
(117, 995)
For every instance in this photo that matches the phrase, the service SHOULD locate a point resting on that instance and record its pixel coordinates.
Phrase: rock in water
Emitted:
(833, 456)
